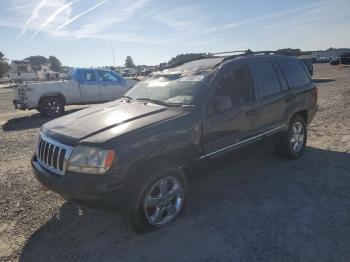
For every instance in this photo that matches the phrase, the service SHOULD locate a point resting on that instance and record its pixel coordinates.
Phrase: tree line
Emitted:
(36, 61)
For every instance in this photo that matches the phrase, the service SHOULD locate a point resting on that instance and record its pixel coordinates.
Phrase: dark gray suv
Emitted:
(132, 154)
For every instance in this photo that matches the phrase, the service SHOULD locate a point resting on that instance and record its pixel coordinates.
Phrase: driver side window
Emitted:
(235, 86)
(106, 76)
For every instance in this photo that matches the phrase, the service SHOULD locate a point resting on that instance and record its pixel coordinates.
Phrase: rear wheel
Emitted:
(292, 144)
(159, 200)
(51, 106)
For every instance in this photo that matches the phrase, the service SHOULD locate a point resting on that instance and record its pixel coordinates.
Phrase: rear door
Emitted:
(222, 130)
(89, 86)
(272, 92)
(112, 86)
(299, 81)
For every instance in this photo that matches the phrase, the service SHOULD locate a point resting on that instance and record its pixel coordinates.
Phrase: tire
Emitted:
(292, 144)
(165, 188)
(51, 106)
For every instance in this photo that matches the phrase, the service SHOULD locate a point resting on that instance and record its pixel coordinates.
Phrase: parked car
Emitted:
(133, 154)
(334, 61)
(86, 86)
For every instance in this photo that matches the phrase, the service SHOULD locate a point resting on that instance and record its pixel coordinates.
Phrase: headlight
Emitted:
(90, 160)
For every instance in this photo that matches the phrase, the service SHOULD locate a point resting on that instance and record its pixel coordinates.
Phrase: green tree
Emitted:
(129, 63)
(4, 65)
(55, 64)
(37, 61)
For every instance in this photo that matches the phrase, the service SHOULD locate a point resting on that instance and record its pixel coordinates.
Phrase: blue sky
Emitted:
(80, 32)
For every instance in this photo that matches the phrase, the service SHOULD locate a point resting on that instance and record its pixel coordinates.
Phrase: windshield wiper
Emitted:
(127, 97)
(159, 102)
(154, 101)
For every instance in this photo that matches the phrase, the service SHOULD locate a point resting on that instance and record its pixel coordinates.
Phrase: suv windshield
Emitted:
(170, 89)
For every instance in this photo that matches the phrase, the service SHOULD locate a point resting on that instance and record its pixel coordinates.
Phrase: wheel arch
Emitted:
(47, 95)
(140, 168)
(303, 113)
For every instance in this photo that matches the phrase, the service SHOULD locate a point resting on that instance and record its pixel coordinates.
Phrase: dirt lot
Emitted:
(259, 208)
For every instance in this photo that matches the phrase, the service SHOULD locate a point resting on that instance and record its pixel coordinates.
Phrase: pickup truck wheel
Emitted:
(159, 200)
(51, 106)
(292, 145)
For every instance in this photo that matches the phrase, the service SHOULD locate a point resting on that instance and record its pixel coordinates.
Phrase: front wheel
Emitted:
(292, 144)
(159, 200)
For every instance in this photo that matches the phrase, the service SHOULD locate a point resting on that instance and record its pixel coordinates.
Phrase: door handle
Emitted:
(251, 112)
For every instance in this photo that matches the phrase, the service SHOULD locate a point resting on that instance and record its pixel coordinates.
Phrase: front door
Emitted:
(112, 86)
(89, 86)
(225, 126)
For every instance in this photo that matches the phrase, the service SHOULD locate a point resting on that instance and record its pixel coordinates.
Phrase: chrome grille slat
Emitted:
(58, 159)
(41, 149)
(46, 152)
(52, 154)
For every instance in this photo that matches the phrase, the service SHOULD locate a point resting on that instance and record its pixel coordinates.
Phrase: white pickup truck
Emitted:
(86, 86)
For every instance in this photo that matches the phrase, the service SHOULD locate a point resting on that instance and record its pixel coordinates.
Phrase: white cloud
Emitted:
(32, 17)
(52, 17)
(80, 15)
(127, 21)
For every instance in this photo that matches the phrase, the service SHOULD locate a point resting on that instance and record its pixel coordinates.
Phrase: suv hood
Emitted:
(101, 123)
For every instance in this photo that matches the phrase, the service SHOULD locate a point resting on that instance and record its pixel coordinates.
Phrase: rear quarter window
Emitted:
(295, 73)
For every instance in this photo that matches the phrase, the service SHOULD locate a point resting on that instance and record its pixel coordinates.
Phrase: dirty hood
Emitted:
(101, 123)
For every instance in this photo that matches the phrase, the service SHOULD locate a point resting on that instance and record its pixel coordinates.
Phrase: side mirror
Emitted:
(222, 103)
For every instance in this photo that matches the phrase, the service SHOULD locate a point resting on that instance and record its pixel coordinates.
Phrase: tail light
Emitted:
(315, 94)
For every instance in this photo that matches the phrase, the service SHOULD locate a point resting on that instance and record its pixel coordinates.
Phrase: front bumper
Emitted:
(19, 104)
(89, 190)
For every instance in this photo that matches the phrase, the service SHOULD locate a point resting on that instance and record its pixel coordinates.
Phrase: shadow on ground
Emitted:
(29, 122)
(322, 80)
(261, 207)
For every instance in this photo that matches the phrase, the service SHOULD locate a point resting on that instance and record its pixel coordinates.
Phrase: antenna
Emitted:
(113, 55)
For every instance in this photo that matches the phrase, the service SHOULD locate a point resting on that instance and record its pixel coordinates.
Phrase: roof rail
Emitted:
(228, 52)
(228, 57)
(246, 52)
(189, 60)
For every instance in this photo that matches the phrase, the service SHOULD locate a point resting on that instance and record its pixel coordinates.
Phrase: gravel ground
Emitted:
(258, 207)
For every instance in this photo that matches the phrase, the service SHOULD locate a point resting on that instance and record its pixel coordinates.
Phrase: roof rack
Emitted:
(246, 52)
(189, 60)
(228, 57)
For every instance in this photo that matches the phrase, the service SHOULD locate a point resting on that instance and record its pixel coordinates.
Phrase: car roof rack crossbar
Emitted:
(226, 58)
(244, 53)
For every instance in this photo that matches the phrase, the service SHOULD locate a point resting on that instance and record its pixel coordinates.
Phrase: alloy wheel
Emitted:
(164, 201)
(297, 137)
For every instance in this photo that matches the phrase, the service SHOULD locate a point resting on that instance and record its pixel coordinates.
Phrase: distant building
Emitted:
(163, 65)
(21, 70)
(22, 66)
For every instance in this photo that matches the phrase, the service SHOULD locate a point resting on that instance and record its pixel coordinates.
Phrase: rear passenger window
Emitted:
(266, 78)
(295, 73)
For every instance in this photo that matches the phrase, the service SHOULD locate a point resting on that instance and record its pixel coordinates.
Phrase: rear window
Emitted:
(295, 73)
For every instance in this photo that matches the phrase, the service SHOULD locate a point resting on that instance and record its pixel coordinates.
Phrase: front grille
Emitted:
(52, 154)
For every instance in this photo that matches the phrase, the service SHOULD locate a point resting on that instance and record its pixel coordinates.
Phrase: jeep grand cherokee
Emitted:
(132, 153)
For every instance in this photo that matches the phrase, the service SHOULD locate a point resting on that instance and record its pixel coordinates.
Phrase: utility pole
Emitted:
(113, 55)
